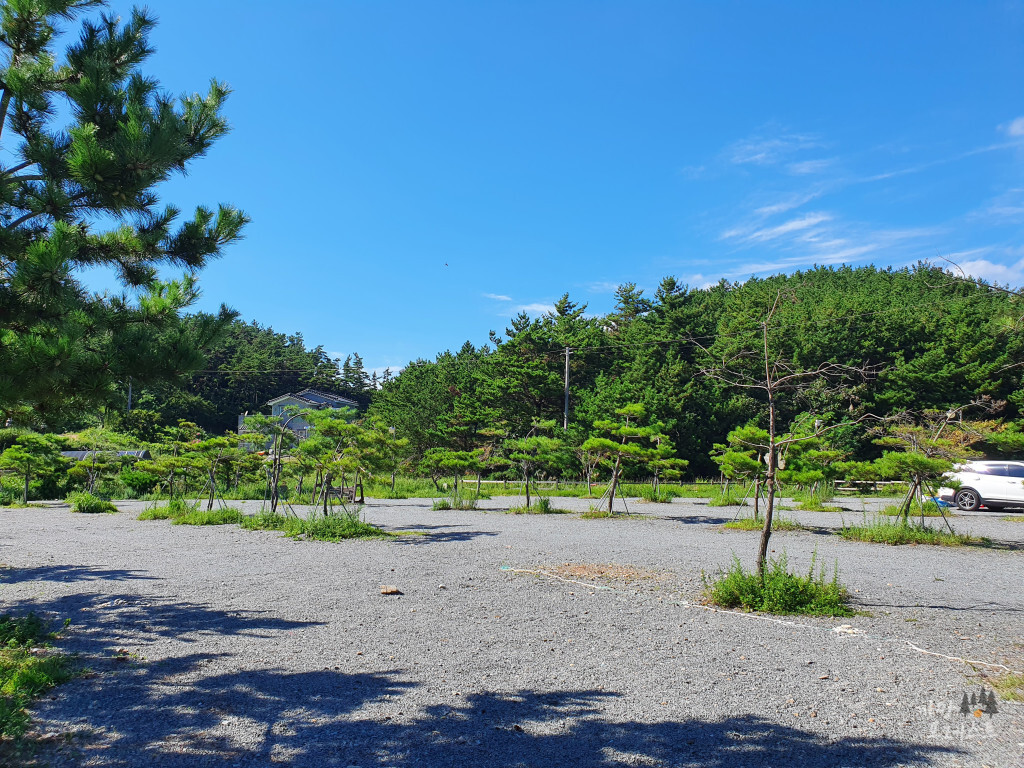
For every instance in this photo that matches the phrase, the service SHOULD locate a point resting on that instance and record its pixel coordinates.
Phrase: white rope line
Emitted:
(844, 629)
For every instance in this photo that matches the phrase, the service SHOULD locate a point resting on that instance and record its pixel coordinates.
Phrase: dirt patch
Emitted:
(608, 572)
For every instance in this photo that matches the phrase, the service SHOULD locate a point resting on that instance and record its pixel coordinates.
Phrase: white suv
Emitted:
(994, 484)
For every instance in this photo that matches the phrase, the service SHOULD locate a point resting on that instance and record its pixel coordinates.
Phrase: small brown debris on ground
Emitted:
(389, 589)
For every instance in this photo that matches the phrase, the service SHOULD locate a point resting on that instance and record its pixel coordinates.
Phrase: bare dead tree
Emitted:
(754, 366)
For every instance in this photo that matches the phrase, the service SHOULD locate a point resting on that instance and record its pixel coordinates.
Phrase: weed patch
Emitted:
(1010, 686)
(173, 509)
(333, 527)
(895, 533)
(27, 669)
(725, 499)
(88, 504)
(750, 524)
(541, 506)
(930, 509)
(778, 590)
(223, 516)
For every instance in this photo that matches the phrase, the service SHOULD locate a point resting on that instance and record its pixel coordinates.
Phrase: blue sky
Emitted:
(418, 172)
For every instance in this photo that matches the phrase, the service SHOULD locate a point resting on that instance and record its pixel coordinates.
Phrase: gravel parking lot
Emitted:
(517, 640)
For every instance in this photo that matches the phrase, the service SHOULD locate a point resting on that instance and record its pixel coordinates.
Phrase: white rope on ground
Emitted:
(843, 629)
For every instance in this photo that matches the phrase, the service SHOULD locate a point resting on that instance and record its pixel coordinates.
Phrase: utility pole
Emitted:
(565, 414)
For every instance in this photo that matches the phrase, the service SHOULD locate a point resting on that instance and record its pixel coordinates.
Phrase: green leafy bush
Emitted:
(779, 523)
(137, 482)
(897, 532)
(222, 516)
(662, 496)
(86, 503)
(725, 498)
(779, 591)
(542, 506)
(335, 527)
(24, 674)
(172, 509)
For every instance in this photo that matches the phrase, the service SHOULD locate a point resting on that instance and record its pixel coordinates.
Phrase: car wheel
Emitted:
(968, 498)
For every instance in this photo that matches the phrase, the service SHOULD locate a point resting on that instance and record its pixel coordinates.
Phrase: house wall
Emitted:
(298, 422)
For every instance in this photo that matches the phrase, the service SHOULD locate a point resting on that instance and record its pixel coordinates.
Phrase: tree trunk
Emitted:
(757, 498)
(766, 531)
(527, 490)
(27, 476)
(327, 490)
(478, 476)
(615, 482)
(213, 489)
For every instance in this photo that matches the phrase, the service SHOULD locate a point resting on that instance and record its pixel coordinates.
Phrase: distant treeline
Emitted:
(929, 339)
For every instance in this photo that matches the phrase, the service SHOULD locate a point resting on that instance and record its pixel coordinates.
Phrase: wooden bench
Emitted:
(344, 493)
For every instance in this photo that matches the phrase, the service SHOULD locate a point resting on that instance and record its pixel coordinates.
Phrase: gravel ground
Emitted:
(518, 640)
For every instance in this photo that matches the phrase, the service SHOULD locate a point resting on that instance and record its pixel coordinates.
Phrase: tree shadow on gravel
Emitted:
(101, 623)
(15, 575)
(432, 534)
(691, 519)
(173, 716)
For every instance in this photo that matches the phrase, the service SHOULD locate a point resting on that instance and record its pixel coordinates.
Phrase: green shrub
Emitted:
(897, 532)
(542, 506)
(86, 503)
(333, 527)
(25, 674)
(222, 516)
(172, 509)
(779, 591)
(662, 496)
(725, 498)
(931, 509)
(779, 523)
(597, 513)
(137, 482)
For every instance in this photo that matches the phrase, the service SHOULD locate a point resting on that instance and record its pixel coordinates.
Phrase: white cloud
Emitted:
(535, 309)
(786, 205)
(497, 297)
(810, 166)
(1006, 274)
(764, 234)
(1015, 127)
(759, 150)
(1006, 207)
(603, 286)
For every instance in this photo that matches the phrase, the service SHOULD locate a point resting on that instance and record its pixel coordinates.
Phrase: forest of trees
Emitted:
(926, 340)
(922, 338)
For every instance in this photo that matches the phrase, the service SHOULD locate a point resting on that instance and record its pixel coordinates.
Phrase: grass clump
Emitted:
(661, 496)
(1010, 686)
(541, 506)
(898, 532)
(777, 590)
(330, 527)
(222, 516)
(725, 498)
(750, 524)
(86, 503)
(173, 509)
(929, 509)
(27, 669)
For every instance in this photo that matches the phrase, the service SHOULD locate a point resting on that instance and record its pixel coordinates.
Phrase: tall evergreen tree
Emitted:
(86, 140)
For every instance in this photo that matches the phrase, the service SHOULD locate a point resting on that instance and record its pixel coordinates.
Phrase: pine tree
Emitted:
(62, 348)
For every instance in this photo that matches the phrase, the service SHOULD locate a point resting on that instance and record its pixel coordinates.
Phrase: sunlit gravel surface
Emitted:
(517, 640)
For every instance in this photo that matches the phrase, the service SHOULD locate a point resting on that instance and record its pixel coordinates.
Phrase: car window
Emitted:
(980, 469)
(1015, 470)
